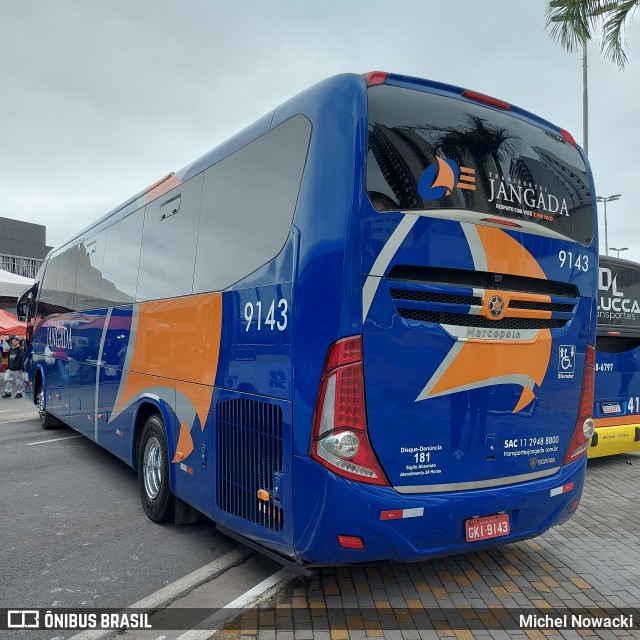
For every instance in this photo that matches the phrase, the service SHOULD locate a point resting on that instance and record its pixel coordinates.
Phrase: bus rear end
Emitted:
(460, 416)
(616, 408)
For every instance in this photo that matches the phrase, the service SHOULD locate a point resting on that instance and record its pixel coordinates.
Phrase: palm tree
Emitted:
(574, 21)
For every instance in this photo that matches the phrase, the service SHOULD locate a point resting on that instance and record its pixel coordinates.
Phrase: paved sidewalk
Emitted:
(591, 565)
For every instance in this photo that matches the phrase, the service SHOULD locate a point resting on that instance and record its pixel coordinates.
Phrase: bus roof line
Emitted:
(226, 148)
(454, 91)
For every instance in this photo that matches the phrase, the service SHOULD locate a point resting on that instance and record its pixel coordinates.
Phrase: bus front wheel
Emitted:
(153, 471)
(47, 421)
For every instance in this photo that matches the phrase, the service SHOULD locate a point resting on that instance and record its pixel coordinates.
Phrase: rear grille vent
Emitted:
(425, 296)
(459, 320)
(481, 280)
(249, 453)
(541, 306)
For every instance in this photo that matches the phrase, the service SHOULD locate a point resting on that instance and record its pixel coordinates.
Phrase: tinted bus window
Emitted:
(47, 298)
(89, 278)
(499, 164)
(121, 260)
(67, 278)
(169, 242)
(264, 176)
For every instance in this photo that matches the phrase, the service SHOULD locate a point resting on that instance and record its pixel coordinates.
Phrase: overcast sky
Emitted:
(100, 99)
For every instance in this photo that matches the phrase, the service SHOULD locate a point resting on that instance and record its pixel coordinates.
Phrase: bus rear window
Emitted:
(433, 152)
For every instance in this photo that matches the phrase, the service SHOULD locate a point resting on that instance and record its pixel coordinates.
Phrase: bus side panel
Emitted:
(251, 411)
(117, 435)
(255, 351)
(193, 463)
(326, 298)
(226, 443)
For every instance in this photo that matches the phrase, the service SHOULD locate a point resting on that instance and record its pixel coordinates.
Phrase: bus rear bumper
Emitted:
(612, 440)
(411, 528)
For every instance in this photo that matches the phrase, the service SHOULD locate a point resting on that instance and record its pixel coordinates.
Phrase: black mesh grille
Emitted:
(425, 296)
(477, 321)
(481, 280)
(250, 452)
(541, 306)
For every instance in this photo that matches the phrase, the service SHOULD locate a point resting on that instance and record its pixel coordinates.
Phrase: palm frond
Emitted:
(613, 46)
(573, 23)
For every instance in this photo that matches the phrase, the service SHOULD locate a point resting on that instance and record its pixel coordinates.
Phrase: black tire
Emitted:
(153, 471)
(47, 421)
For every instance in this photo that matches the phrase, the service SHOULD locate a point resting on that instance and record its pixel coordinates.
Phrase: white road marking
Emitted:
(220, 618)
(19, 420)
(29, 444)
(169, 593)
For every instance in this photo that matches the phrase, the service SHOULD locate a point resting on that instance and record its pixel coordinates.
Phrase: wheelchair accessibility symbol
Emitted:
(566, 361)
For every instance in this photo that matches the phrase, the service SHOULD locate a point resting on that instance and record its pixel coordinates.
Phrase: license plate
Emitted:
(611, 407)
(487, 527)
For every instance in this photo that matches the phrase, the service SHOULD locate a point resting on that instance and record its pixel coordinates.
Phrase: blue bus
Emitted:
(362, 329)
(616, 409)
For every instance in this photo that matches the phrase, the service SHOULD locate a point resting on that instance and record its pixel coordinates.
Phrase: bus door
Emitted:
(477, 292)
(55, 364)
(84, 371)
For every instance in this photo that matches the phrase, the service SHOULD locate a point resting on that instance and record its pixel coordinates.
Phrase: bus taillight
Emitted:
(569, 138)
(491, 101)
(584, 425)
(375, 77)
(340, 438)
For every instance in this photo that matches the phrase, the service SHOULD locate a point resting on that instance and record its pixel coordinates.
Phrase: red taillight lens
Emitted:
(346, 351)
(375, 77)
(506, 223)
(569, 138)
(350, 542)
(580, 440)
(340, 438)
(481, 97)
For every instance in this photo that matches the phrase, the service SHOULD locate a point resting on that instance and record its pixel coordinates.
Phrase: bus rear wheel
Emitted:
(47, 421)
(153, 471)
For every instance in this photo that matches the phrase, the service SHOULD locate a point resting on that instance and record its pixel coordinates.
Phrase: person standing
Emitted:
(14, 371)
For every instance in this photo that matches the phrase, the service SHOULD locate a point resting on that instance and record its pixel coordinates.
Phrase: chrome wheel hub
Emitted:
(40, 403)
(152, 467)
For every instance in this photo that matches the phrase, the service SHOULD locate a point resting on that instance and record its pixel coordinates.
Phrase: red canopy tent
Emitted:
(10, 325)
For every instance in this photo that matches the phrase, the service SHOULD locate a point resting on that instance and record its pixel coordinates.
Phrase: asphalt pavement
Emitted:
(74, 533)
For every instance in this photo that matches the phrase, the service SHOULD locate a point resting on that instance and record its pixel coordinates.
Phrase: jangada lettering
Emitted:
(59, 337)
(527, 196)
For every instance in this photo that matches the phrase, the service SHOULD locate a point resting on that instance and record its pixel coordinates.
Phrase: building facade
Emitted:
(23, 246)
